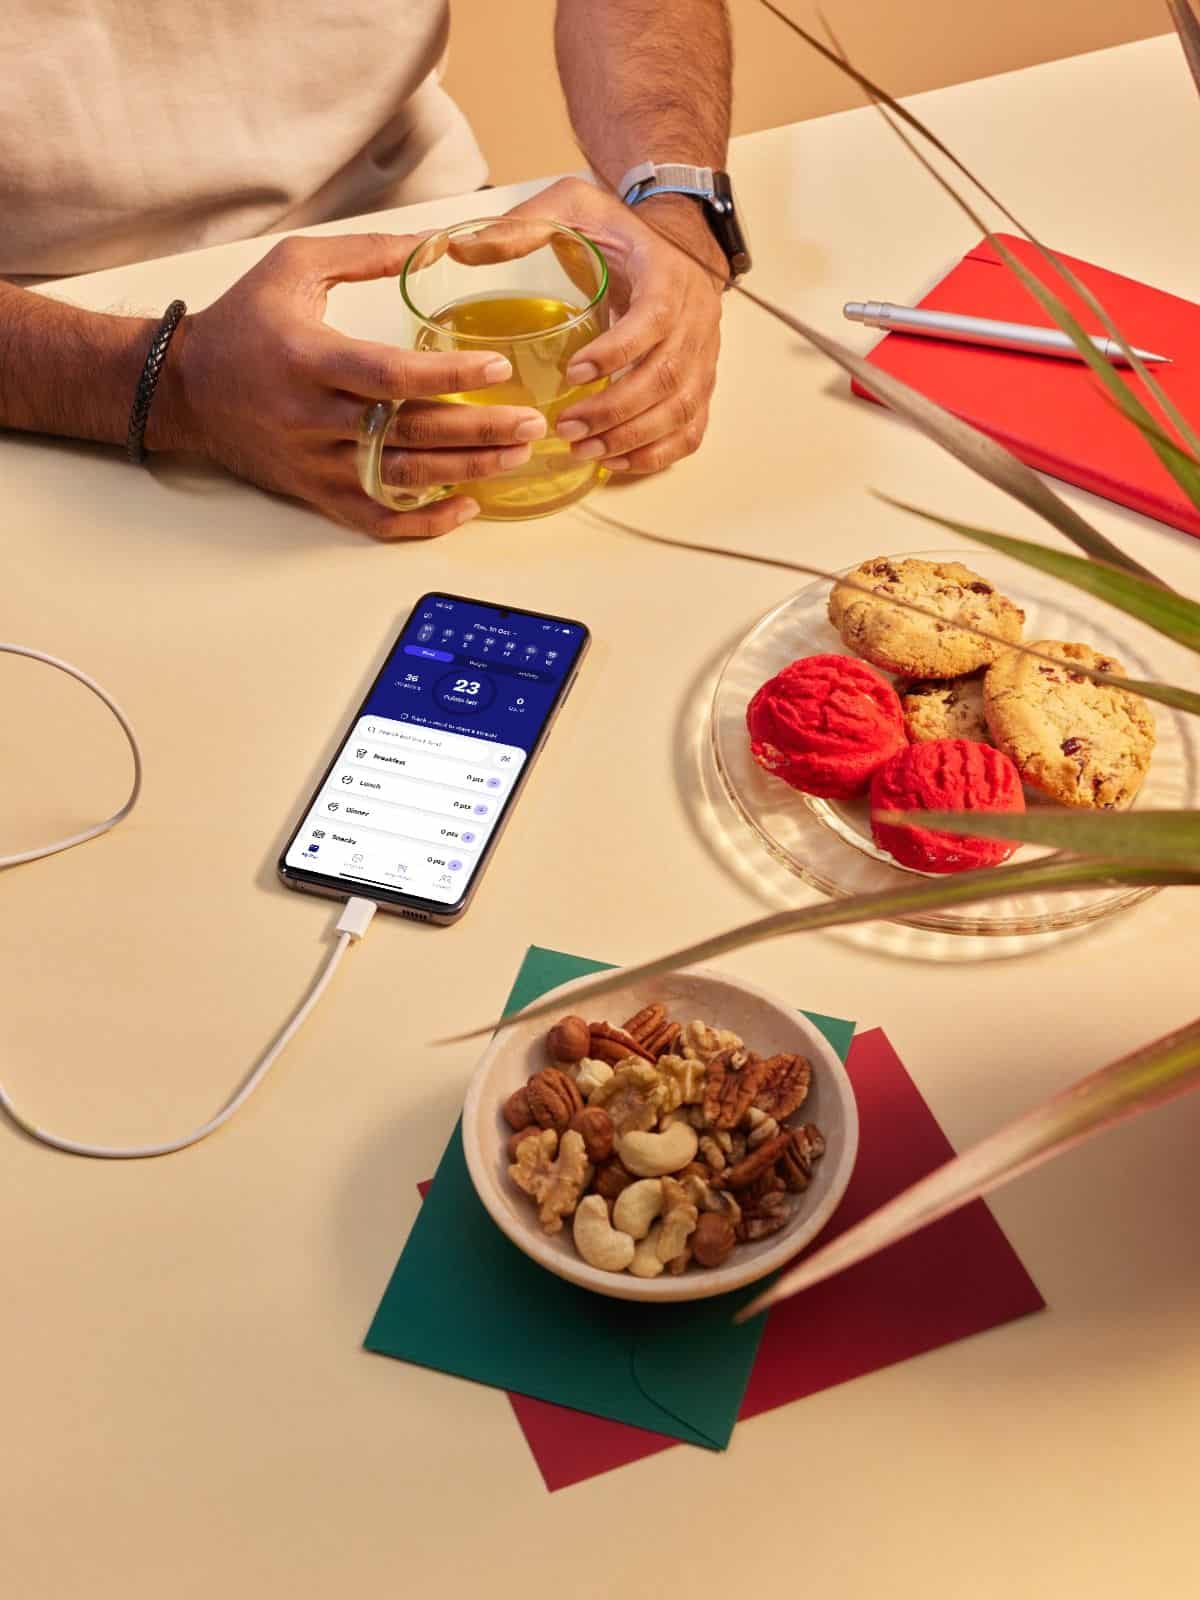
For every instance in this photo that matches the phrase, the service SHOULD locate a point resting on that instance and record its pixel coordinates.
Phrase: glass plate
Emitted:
(828, 844)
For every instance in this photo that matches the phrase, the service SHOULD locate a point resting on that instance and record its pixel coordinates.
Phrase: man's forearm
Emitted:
(72, 372)
(648, 80)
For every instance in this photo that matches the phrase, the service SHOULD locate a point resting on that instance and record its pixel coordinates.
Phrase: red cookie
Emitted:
(824, 724)
(944, 775)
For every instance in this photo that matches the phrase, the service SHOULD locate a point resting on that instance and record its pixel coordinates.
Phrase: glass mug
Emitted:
(533, 291)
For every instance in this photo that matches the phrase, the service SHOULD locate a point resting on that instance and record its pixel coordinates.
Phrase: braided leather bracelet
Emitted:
(135, 439)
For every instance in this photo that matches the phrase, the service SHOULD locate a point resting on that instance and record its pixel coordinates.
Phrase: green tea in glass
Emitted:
(535, 293)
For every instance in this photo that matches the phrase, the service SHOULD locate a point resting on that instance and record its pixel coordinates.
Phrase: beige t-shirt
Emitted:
(137, 128)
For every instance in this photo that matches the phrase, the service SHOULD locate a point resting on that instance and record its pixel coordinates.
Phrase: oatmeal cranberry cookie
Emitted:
(915, 646)
(944, 708)
(1083, 743)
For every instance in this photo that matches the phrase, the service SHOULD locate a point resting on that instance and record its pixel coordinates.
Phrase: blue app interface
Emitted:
(417, 789)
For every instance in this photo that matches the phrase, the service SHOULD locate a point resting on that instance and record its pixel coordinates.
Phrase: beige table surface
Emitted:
(186, 1409)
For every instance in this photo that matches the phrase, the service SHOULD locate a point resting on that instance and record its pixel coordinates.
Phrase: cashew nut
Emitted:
(598, 1242)
(646, 1262)
(653, 1155)
(762, 1128)
(636, 1207)
(591, 1075)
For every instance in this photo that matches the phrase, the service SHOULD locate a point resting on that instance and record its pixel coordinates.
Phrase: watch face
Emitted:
(727, 226)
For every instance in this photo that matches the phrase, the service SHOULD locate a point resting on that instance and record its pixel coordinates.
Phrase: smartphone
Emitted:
(413, 803)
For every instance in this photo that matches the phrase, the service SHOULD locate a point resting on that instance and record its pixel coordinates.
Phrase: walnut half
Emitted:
(552, 1174)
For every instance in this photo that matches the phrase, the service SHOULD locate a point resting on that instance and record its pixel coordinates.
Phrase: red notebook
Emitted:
(1054, 413)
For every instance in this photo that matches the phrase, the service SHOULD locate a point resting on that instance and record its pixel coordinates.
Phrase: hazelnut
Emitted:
(713, 1239)
(514, 1140)
(517, 1111)
(596, 1128)
(568, 1040)
(612, 1178)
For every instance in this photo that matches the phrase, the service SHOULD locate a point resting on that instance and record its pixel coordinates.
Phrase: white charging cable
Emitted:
(353, 922)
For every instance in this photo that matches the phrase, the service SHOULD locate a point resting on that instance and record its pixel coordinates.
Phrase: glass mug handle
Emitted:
(372, 435)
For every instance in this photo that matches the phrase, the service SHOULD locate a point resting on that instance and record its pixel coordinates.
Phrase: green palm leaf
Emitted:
(965, 443)
(967, 888)
(1188, 30)
(1165, 694)
(1168, 838)
(1163, 609)
(1181, 464)
(1183, 468)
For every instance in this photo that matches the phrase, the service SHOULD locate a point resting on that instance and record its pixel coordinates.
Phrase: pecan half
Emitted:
(613, 1044)
(754, 1194)
(645, 1022)
(785, 1085)
(665, 1040)
(728, 1092)
(553, 1099)
(756, 1162)
(516, 1109)
(806, 1145)
(773, 1213)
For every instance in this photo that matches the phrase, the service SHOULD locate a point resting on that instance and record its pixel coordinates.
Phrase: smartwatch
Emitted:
(711, 188)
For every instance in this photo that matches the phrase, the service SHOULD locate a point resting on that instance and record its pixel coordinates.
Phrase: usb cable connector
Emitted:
(356, 917)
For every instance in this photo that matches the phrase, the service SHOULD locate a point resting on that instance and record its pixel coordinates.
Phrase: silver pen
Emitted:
(982, 330)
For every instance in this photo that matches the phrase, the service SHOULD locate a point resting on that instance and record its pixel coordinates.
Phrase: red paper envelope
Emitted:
(1054, 413)
(956, 1278)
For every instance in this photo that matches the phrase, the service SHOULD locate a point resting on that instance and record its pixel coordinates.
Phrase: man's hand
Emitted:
(666, 332)
(259, 383)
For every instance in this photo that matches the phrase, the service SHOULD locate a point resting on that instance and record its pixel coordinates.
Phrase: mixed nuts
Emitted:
(664, 1143)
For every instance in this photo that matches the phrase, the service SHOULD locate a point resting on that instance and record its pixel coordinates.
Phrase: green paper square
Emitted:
(465, 1300)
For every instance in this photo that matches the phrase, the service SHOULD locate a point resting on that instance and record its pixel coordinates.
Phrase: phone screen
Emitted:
(434, 757)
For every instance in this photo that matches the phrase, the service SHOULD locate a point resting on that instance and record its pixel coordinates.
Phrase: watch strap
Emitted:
(668, 177)
(711, 188)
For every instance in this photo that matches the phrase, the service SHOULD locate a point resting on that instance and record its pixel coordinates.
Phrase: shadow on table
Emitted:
(1085, 501)
(183, 497)
(194, 482)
